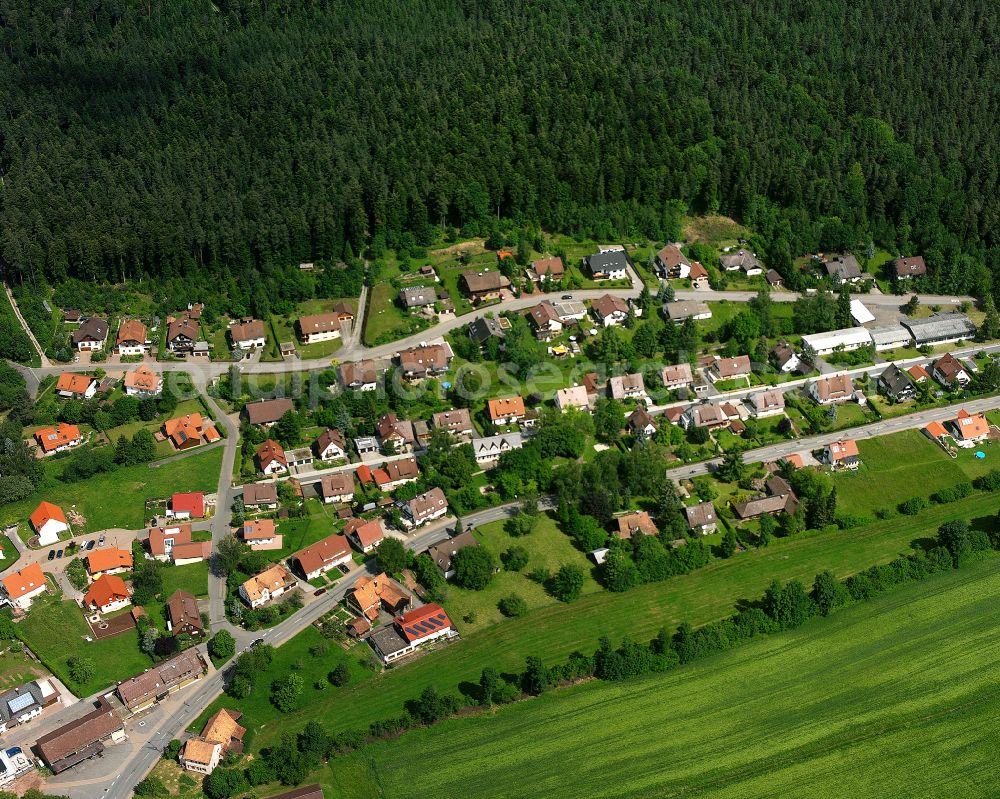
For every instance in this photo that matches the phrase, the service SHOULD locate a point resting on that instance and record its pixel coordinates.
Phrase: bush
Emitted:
(340, 676)
(514, 559)
(989, 481)
(151, 786)
(567, 584)
(222, 646)
(913, 506)
(952, 493)
(513, 606)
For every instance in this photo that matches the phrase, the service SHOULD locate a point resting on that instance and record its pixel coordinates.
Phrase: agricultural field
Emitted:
(549, 549)
(928, 653)
(553, 631)
(907, 464)
(56, 631)
(128, 486)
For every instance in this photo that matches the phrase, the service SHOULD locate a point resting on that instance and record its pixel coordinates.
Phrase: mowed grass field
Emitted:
(904, 465)
(893, 698)
(115, 499)
(554, 631)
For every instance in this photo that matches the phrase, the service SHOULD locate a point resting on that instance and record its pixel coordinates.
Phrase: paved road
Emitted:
(885, 427)
(881, 300)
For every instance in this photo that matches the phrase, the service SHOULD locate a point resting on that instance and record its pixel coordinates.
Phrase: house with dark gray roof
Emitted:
(894, 383)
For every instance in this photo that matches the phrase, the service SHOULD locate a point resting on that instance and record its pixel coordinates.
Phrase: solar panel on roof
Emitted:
(441, 617)
(410, 630)
(20, 702)
(432, 623)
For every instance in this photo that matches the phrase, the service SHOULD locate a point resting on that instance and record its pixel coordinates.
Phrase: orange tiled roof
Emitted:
(69, 382)
(104, 590)
(52, 438)
(102, 560)
(44, 512)
(506, 406)
(24, 582)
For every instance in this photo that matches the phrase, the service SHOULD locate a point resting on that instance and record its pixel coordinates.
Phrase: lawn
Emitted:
(10, 553)
(192, 577)
(284, 329)
(115, 499)
(300, 533)
(553, 631)
(385, 320)
(163, 448)
(16, 668)
(548, 548)
(900, 692)
(903, 465)
(56, 631)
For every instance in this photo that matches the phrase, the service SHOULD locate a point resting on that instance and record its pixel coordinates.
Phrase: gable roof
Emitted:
(671, 256)
(104, 590)
(80, 733)
(102, 560)
(131, 330)
(552, 266)
(842, 450)
(368, 591)
(698, 272)
(770, 400)
(732, 367)
(62, 434)
(971, 425)
(259, 529)
(319, 323)
(161, 677)
(247, 330)
(640, 419)
(179, 534)
(361, 372)
(455, 420)
(543, 314)
(330, 436)
(423, 621)
(393, 471)
(270, 579)
(572, 397)
(30, 578)
(222, 727)
(190, 550)
(337, 484)
(269, 452)
(505, 406)
(622, 385)
(183, 326)
(700, 514)
(894, 379)
(429, 356)
(315, 556)
(183, 609)
(93, 329)
(143, 378)
(608, 304)
(487, 280)
(426, 503)
(442, 552)
(918, 373)
(935, 429)
(639, 522)
(268, 411)
(913, 266)
(72, 383)
(677, 373)
(414, 296)
(834, 386)
(186, 428)
(192, 502)
(949, 367)
(46, 512)
(260, 493)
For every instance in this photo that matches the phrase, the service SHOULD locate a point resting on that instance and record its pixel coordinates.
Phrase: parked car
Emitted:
(567, 296)
(90, 544)
(320, 592)
(59, 553)
(52, 554)
(101, 542)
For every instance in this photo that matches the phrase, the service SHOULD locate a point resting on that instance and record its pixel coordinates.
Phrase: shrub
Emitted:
(567, 584)
(513, 606)
(952, 493)
(340, 676)
(913, 506)
(514, 559)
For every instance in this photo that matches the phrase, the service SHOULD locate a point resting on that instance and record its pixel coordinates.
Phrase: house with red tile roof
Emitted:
(21, 587)
(59, 438)
(271, 458)
(189, 431)
(162, 540)
(187, 505)
(843, 455)
(143, 382)
(970, 428)
(545, 269)
(131, 339)
(261, 534)
(411, 630)
(107, 594)
(109, 560)
(506, 410)
(365, 535)
(337, 487)
(323, 556)
(76, 386)
(48, 521)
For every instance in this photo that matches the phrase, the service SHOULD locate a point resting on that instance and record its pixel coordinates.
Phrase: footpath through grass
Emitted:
(554, 631)
(901, 693)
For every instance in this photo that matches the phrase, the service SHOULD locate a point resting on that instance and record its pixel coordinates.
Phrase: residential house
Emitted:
(410, 631)
(271, 458)
(48, 521)
(595, 387)
(261, 535)
(323, 556)
(918, 374)
(424, 508)
(189, 431)
(443, 552)
(784, 358)
(774, 279)
(890, 337)
(157, 682)
(81, 738)
(894, 383)
(142, 383)
(107, 594)
(131, 339)
(359, 375)
(330, 445)
(833, 389)
(704, 414)
(635, 523)
(767, 403)
(191, 552)
(371, 594)
(640, 423)
(162, 540)
(950, 372)
(25, 702)
(182, 334)
(316, 328)
(337, 487)
(846, 339)
(681, 310)
(779, 499)
(187, 505)
(627, 387)
(183, 616)
(506, 410)
(488, 450)
(221, 735)
(546, 269)
(843, 269)
(417, 297)
(396, 473)
(260, 496)
(970, 428)
(572, 397)
(701, 518)
(265, 412)
(484, 286)
(699, 277)
(544, 320)
(744, 261)
(109, 560)
(671, 263)
(610, 310)
(427, 360)
(269, 584)
(21, 587)
(842, 455)
(569, 310)
(365, 535)
(677, 376)
(396, 433)
(247, 334)
(91, 335)
(76, 386)
(607, 265)
(906, 268)
(730, 368)
(457, 421)
(484, 328)
(59, 438)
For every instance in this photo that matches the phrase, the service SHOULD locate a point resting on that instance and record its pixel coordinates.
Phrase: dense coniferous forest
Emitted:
(231, 140)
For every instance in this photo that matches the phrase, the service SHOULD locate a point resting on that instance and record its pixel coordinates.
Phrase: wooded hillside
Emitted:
(167, 138)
